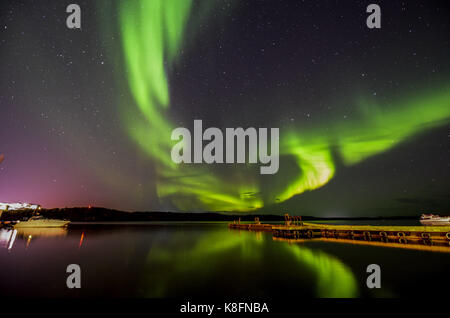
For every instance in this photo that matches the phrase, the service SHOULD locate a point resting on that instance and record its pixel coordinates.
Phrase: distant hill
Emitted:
(96, 214)
(102, 214)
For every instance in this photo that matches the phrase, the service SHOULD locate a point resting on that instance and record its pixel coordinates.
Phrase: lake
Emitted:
(160, 260)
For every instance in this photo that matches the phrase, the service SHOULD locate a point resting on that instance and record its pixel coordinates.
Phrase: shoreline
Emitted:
(94, 214)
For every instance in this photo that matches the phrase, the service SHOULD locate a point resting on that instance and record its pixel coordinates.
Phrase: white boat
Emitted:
(40, 221)
(431, 219)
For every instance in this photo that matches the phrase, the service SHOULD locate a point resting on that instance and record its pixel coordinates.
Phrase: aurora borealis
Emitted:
(363, 114)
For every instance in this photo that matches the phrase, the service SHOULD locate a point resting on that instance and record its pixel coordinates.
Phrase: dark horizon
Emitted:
(99, 214)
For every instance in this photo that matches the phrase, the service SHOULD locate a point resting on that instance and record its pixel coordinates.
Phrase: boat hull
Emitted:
(435, 222)
(41, 223)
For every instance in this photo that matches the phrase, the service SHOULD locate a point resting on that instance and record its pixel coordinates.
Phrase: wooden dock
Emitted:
(365, 232)
(294, 229)
(257, 226)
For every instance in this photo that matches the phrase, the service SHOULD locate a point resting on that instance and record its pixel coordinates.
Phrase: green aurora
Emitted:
(152, 33)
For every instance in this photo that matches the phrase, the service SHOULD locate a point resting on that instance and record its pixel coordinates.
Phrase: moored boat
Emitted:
(40, 221)
(431, 219)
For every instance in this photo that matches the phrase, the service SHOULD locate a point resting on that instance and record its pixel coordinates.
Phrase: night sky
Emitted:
(86, 115)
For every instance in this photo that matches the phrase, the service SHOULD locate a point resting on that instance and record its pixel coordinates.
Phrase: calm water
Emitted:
(205, 259)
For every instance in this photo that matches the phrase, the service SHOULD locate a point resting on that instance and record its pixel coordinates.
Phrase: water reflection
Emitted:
(334, 278)
(425, 245)
(184, 261)
(246, 255)
(42, 232)
(8, 236)
(189, 260)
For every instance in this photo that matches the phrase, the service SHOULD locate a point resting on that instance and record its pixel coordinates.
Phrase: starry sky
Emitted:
(86, 115)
